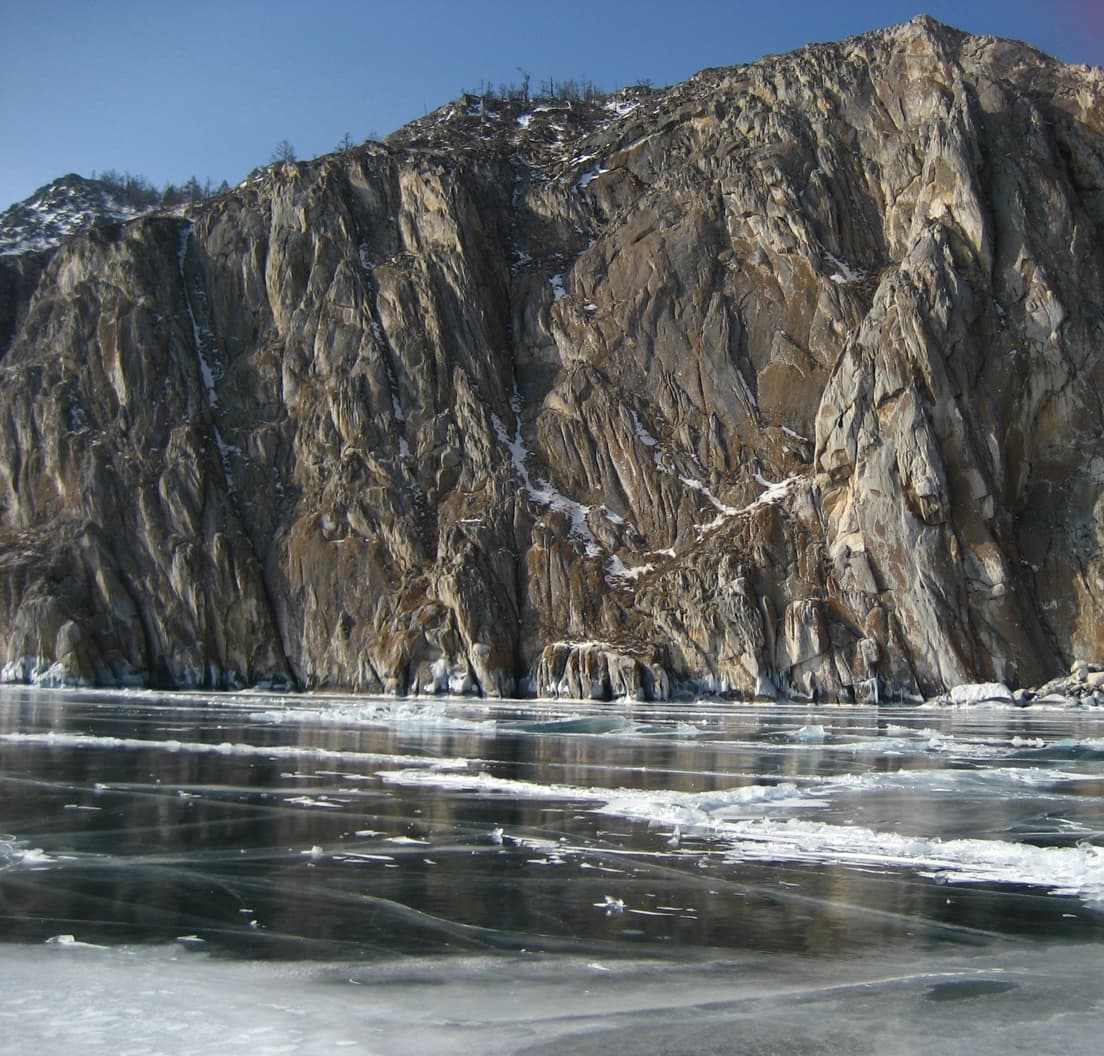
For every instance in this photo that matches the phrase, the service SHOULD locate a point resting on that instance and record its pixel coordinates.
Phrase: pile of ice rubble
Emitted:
(1082, 687)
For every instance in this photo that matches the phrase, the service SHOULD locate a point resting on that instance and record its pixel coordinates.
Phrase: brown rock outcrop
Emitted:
(783, 380)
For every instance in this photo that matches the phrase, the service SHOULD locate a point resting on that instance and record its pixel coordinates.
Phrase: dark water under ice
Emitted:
(267, 874)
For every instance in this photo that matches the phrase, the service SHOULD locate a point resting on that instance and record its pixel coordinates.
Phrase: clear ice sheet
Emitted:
(197, 873)
(58, 1001)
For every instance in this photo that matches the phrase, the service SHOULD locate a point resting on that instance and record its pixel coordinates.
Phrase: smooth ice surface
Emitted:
(178, 1000)
(201, 873)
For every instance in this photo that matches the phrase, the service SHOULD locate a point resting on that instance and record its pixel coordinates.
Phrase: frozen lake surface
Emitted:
(198, 874)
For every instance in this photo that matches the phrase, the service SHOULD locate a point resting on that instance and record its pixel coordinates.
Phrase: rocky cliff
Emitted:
(784, 380)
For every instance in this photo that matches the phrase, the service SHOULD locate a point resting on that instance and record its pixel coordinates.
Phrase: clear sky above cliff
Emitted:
(209, 87)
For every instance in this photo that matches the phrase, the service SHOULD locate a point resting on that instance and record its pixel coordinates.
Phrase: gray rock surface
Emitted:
(784, 380)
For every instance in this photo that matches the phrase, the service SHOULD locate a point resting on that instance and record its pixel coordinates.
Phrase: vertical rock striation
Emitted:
(786, 379)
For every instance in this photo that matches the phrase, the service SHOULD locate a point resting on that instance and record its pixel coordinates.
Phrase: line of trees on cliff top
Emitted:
(568, 89)
(139, 193)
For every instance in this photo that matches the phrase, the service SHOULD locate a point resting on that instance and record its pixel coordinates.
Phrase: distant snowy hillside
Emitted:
(59, 209)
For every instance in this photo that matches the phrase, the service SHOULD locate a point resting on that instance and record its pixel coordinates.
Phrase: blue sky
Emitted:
(209, 87)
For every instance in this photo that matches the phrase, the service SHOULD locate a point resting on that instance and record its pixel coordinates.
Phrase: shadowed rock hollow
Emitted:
(786, 379)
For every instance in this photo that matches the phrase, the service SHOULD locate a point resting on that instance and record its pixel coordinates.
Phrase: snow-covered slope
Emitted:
(57, 210)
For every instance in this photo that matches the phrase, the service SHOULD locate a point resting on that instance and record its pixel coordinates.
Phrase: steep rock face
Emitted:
(786, 379)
